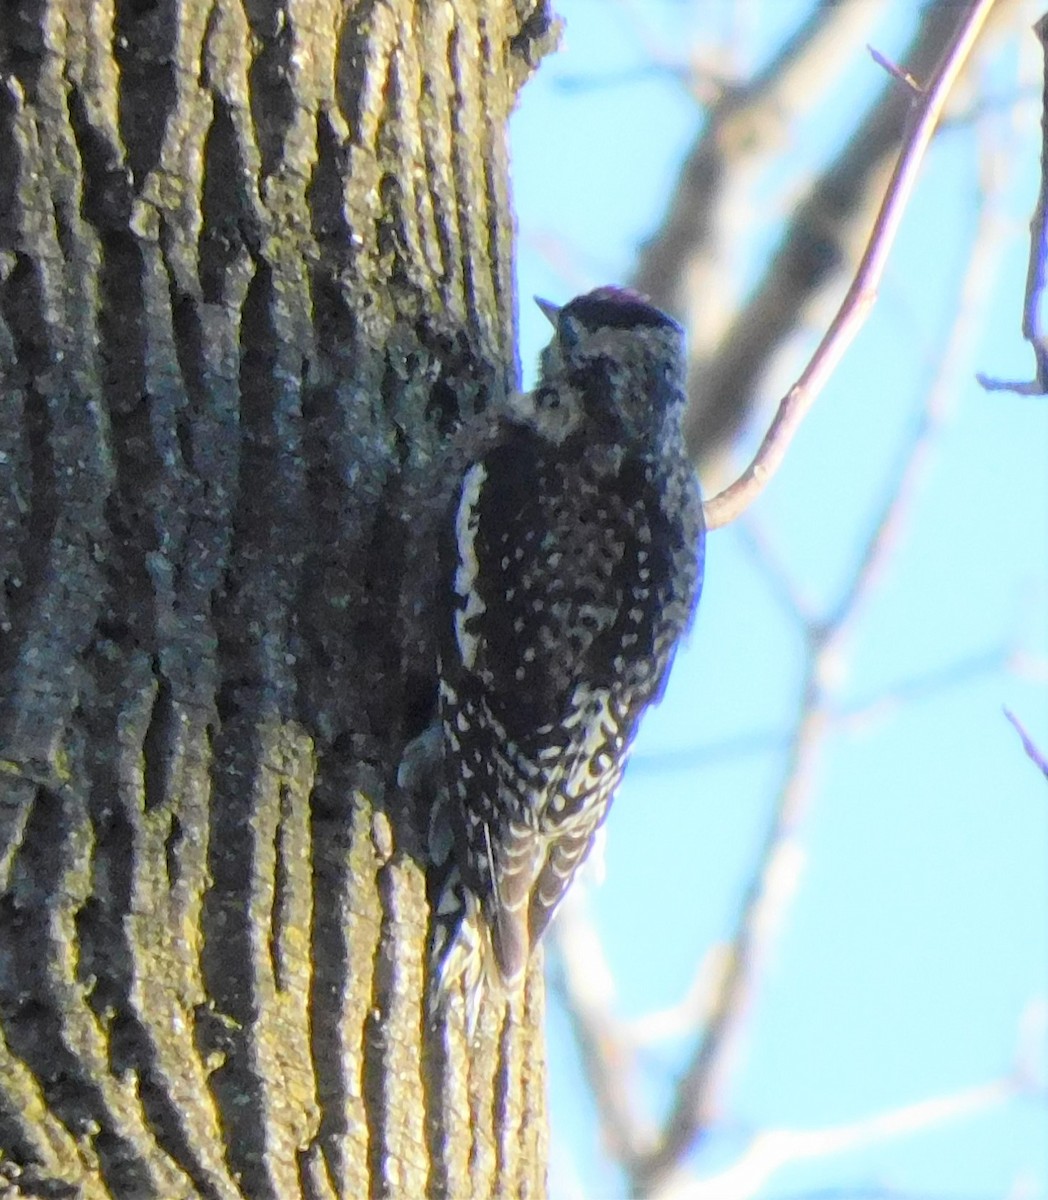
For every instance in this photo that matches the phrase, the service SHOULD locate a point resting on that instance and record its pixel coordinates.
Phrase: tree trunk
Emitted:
(255, 273)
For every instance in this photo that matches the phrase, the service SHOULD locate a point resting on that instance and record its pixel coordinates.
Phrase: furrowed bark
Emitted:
(255, 271)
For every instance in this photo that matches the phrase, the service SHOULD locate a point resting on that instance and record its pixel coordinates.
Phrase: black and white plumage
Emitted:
(573, 566)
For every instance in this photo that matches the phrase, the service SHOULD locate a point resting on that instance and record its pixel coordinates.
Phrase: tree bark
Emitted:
(255, 274)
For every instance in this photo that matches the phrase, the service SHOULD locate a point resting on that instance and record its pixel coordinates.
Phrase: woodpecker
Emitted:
(572, 569)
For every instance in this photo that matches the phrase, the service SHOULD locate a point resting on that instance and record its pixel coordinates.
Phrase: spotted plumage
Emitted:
(573, 567)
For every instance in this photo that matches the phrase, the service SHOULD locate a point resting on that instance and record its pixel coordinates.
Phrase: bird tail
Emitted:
(461, 961)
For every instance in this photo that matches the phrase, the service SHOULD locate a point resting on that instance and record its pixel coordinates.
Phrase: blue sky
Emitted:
(915, 944)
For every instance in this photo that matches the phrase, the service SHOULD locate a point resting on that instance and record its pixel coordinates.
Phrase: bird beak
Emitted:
(549, 310)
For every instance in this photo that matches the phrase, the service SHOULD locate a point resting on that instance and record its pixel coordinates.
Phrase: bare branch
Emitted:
(725, 988)
(864, 712)
(764, 903)
(818, 252)
(895, 71)
(857, 714)
(587, 984)
(1037, 274)
(862, 294)
(769, 1152)
(687, 267)
(1029, 746)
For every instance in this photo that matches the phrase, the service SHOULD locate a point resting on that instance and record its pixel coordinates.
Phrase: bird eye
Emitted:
(568, 330)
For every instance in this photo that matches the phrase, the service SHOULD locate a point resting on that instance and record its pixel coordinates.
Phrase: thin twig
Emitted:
(690, 266)
(608, 1045)
(771, 1151)
(763, 904)
(1029, 746)
(895, 71)
(762, 907)
(863, 712)
(728, 504)
(586, 984)
(1037, 273)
